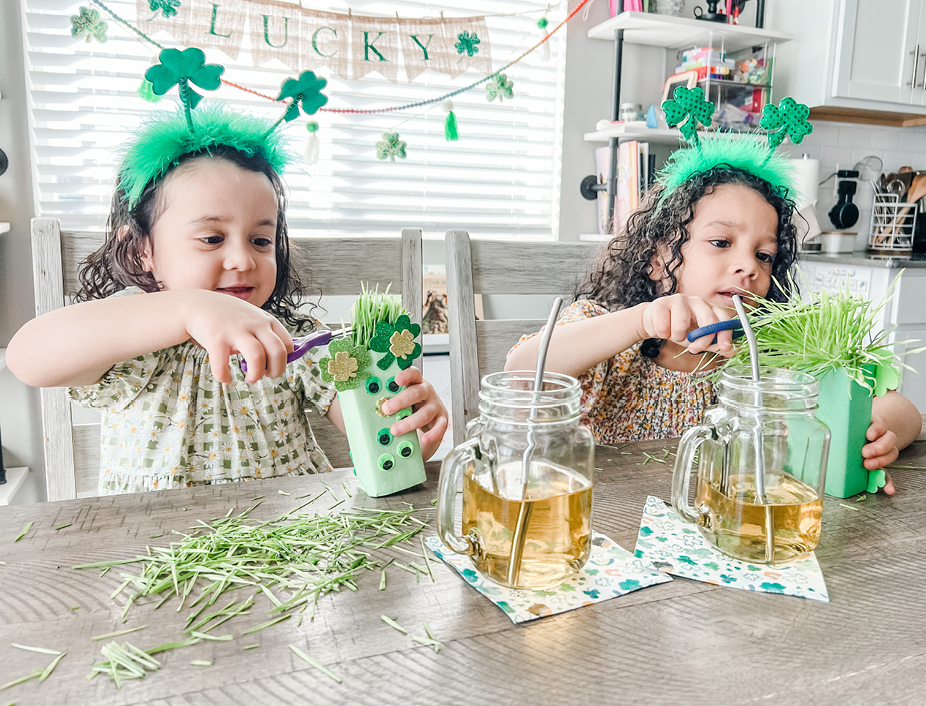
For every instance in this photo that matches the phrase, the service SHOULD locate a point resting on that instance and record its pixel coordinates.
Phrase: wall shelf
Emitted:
(4, 228)
(669, 136)
(15, 477)
(681, 32)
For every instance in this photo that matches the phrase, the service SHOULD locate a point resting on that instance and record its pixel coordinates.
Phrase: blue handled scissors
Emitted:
(730, 324)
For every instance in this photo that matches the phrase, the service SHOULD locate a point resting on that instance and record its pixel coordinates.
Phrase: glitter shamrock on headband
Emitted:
(752, 152)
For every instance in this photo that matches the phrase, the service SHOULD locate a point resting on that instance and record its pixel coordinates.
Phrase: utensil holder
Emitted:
(892, 226)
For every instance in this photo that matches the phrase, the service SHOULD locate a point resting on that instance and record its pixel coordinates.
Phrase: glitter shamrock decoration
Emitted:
(390, 146)
(168, 8)
(397, 341)
(467, 43)
(787, 119)
(88, 24)
(686, 109)
(181, 68)
(306, 92)
(346, 366)
(499, 87)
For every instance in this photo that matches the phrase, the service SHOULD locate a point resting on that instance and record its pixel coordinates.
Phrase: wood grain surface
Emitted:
(682, 642)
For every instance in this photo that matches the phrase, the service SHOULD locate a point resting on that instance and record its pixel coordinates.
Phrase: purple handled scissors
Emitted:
(303, 344)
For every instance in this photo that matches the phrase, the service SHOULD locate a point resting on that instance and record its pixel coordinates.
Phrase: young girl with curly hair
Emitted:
(697, 240)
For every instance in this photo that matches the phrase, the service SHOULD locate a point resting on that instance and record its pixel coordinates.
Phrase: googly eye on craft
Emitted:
(386, 462)
(393, 386)
(406, 449)
(384, 437)
(374, 385)
(403, 413)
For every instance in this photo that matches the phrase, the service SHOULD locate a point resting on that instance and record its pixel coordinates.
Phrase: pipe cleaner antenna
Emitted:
(182, 68)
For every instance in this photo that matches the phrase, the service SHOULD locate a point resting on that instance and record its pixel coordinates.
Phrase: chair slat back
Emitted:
(336, 266)
(491, 267)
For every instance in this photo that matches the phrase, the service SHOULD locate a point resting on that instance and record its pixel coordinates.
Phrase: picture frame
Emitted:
(687, 79)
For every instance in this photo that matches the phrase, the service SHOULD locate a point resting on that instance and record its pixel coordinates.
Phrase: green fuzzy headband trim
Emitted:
(165, 138)
(749, 152)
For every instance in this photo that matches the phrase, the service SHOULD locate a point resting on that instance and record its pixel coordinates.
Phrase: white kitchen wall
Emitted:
(842, 145)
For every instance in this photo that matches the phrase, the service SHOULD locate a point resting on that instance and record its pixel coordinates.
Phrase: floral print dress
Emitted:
(631, 398)
(168, 423)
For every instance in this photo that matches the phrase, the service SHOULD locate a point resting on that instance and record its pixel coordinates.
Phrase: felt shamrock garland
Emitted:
(88, 24)
(499, 87)
(346, 366)
(390, 146)
(168, 8)
(397, 341)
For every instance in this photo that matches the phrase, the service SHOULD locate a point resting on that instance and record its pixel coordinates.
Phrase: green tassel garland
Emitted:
(146, 91)
(450, 127)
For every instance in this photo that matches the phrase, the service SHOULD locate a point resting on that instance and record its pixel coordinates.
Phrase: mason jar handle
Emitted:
(450, 471)
(681, 476)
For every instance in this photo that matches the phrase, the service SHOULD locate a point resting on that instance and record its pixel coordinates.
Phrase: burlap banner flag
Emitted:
(349, 46)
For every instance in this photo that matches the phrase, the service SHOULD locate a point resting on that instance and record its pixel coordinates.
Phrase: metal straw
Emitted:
(517, 542)
(758, 441)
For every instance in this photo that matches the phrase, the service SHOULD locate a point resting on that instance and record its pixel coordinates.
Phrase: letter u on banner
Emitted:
(325, 43)
(374, 46)
(274, 31)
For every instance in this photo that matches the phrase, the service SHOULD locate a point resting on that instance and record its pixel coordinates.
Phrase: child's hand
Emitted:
(429, 415)
(881, 451)
(225, 325)
(672, 317)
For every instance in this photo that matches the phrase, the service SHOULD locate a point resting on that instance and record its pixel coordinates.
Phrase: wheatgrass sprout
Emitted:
(830, 332)
(371, 307)
(294, 559)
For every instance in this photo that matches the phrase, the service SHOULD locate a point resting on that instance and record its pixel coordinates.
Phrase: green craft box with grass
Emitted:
(845, 407)
(363, 367)
(835, 338)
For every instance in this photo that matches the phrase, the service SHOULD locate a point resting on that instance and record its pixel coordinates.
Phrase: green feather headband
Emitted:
(165, 138)
(748, 152)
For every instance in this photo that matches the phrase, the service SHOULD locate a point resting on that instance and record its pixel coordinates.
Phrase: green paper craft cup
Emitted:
(383, 464)
(845, 407)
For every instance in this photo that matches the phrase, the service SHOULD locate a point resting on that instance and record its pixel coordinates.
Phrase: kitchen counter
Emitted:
(861, 259)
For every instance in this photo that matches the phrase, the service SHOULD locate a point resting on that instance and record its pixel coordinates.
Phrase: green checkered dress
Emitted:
(168, 423)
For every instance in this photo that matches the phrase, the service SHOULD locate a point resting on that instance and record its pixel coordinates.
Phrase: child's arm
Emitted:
(429, 417)
(581, 345)
(76, 345)
(895, 424)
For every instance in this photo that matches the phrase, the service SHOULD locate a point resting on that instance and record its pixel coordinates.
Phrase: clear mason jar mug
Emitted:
(762, 467)
(557, 508)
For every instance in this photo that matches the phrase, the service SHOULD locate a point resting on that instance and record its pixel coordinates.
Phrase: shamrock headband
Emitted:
(163, 140)
(748, 152)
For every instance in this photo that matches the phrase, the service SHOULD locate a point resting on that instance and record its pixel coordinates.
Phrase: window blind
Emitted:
(501, 179)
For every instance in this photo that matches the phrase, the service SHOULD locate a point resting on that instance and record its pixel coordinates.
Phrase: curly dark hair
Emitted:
(621, 277)
(118, 263)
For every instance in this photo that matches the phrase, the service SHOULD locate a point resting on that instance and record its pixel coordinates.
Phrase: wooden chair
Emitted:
(72, 451)
(491, 267)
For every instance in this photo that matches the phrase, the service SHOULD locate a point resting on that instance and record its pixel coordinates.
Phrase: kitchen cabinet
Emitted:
(904, 315)
(854, 58)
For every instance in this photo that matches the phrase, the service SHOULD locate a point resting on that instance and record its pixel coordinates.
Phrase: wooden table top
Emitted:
(678, 642)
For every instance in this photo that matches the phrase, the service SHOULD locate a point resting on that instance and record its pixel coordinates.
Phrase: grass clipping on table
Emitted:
(371, 307)
(293, 559)
(830, 332)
